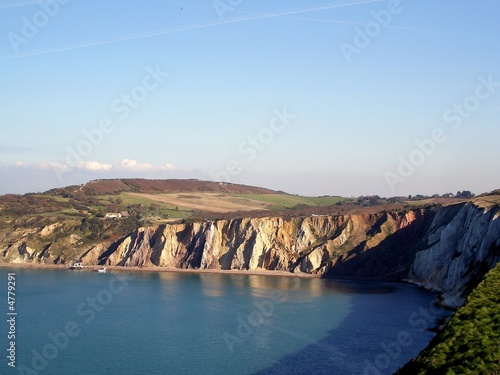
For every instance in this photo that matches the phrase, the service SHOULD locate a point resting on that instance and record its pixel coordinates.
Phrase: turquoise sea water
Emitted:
(80, 322)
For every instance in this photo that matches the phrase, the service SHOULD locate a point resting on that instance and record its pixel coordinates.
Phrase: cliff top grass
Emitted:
(286, 201)
(470, 341)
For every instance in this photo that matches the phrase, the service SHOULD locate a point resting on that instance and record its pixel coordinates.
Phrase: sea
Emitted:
(59, 322)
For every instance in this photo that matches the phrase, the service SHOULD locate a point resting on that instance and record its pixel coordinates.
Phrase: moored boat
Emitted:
(75, 266)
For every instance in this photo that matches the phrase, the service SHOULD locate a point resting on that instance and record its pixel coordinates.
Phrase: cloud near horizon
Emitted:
(95, 166)
(23, 177)
(133, 165)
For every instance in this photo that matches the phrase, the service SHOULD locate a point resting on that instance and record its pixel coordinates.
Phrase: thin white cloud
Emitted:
(19, 4)
(93, 166)
(134, 165)
(203, 25)
(416, 29)
(129, 165)
(43, 165)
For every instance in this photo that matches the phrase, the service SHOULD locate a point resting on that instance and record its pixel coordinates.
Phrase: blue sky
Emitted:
(309, 97)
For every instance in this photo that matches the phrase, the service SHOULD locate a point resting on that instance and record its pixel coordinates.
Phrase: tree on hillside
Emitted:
(464, 194)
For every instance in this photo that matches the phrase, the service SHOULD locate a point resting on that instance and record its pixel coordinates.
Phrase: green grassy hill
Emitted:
(470, 341)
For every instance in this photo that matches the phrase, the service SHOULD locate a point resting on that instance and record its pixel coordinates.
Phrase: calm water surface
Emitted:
(85, 323)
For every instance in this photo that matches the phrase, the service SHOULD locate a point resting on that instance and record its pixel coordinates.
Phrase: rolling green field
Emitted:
(171, 204)
(285, 201)
(158, 210)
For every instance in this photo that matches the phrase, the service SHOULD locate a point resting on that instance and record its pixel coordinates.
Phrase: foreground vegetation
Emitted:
(470, 342)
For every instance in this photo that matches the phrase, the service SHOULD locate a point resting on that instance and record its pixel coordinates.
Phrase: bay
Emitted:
(80, 322)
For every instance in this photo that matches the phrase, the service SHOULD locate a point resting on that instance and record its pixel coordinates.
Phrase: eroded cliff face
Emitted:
(34, 245)
(443, 249)
(335, 245)
(461, 245)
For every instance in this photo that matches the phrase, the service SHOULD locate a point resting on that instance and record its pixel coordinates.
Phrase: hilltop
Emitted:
(115, 186)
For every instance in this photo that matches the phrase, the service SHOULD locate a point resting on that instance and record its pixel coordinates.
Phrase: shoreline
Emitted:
(154, 269)
(93, 268)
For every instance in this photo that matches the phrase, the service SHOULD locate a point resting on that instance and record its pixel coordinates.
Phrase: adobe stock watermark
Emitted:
(363, 36)
(122, 106)
(454, 116)
(31, 26)
(247, 326)
(422, 319)
(86, 311)
(250, 147)
(224, 6)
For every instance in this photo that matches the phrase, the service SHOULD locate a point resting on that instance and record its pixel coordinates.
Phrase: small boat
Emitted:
(101, 270)
(75, 266)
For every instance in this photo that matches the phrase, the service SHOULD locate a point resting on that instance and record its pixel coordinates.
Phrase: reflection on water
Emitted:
(360, 287)
(216, 285)
(184, 323)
